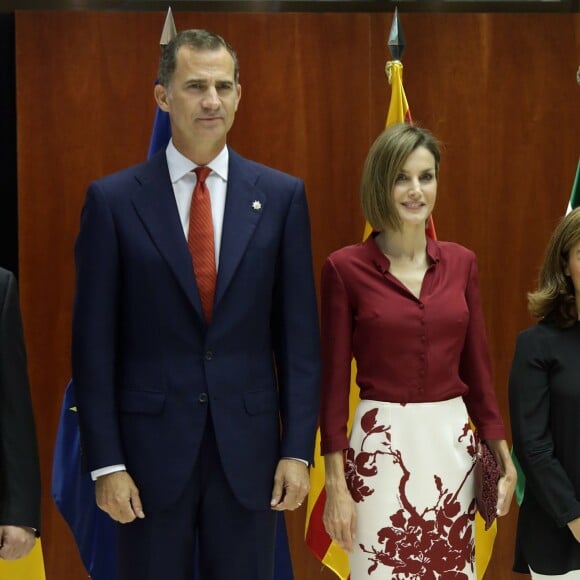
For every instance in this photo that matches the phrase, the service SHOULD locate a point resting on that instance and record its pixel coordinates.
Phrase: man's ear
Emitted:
(239, 87)
(161, 96)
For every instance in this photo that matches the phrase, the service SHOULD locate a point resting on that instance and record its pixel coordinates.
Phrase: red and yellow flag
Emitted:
(29, 568)
(329, 553)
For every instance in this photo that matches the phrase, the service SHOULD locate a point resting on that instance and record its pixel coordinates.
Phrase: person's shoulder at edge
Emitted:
(347, 254)
(5, 274)
(127, 175)
(453, 249)
(544, 329)
(262, 170)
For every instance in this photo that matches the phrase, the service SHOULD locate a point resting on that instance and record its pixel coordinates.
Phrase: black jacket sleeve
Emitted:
(19, 463)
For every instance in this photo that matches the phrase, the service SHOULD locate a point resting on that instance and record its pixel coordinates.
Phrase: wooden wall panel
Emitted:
(498, 90)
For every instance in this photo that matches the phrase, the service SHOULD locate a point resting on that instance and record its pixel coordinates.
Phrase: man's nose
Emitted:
(210, 98)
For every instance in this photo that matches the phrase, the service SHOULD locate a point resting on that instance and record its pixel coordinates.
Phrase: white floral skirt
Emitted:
(410, 471)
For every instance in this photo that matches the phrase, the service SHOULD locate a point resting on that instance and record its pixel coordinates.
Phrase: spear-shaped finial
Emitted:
(169, 32)
(396, 41)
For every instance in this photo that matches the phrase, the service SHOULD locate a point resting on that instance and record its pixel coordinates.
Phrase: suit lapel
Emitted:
(245, 204)
(154, 202)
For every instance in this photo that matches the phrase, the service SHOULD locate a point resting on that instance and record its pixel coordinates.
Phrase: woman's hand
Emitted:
(339, 518)
(339, 515)
(506, 485)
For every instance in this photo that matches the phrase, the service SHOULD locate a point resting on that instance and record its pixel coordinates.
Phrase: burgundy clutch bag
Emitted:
(487, 475)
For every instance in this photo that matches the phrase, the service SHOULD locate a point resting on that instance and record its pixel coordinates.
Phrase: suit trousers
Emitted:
(232, 541)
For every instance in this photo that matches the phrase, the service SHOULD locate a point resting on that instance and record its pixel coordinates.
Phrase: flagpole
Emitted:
(161, 133)
(72, 489)
(327, 551)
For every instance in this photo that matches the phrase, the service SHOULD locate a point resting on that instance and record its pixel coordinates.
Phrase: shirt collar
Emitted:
(379, 259)
(433, 249)
(179, 165)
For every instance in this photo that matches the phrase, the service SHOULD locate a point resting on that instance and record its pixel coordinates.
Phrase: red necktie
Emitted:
(200, 241)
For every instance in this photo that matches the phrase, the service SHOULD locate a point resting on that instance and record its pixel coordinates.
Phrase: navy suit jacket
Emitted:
(147, 369)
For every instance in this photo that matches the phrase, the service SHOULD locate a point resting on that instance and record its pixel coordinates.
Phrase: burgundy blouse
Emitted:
(407, 350)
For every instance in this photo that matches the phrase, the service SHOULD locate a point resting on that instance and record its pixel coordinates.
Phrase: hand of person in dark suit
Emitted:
(16, 541)
(118, 496)
(574, 527)
(291, 485)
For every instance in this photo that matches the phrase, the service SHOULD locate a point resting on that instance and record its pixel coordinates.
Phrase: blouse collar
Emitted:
(383, 263)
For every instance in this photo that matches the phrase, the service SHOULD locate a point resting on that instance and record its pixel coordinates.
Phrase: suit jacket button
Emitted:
(208, 355)
(202, 398)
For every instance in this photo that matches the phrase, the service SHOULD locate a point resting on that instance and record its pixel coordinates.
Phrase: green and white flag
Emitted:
(575, 195)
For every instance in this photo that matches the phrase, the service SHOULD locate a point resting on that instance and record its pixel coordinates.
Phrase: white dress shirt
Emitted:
(183, 180)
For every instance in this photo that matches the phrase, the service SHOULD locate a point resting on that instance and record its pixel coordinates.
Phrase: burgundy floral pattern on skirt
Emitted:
(410, 471)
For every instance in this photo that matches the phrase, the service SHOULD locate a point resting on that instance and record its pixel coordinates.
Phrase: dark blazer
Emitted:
(545, 409)
(146, 368)
(19, 465)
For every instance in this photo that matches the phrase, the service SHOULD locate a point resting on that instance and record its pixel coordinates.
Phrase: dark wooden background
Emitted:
(498, 89)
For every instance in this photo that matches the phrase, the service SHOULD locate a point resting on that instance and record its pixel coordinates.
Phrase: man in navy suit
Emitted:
(196, 427)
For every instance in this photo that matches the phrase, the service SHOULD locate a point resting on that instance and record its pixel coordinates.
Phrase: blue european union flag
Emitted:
(74, 494)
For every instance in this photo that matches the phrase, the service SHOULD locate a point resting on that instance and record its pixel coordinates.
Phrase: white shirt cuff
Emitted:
(298, 459)
(106, 470)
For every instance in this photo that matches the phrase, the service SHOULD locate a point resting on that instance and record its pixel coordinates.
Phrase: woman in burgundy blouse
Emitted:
(400, 491)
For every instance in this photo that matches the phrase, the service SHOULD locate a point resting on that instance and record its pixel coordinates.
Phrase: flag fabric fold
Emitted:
(521, 483)
(73, 492)
(328, 552)
(160, 134)
(399, 111)
(575, 194)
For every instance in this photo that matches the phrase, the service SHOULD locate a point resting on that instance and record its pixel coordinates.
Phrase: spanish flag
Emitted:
(329, 553)
(30, 567)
